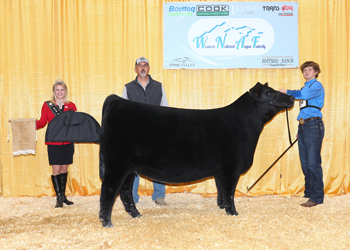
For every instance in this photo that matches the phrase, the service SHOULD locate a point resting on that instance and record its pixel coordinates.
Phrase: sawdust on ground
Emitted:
(189, 221)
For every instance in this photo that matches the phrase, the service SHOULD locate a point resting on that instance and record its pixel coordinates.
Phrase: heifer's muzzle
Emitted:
(283, 100)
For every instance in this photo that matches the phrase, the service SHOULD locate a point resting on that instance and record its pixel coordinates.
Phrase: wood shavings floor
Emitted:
(189, 221)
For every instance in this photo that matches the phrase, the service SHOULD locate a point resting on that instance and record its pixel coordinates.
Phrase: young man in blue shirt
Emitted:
(310, 132)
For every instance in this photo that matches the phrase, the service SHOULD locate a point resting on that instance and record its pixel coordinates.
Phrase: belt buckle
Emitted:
(301, 121)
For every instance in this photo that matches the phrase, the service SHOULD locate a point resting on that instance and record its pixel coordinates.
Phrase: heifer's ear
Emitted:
(257, 89)
(257, 86)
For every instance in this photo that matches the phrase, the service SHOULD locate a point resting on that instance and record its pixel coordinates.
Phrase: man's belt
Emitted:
(302, 121)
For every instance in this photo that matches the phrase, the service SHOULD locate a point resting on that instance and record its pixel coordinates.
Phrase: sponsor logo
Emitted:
(277, 61)
(212, 10)
(181, 11)
(184, 62)
(287, 11)
(287, 8)
(247, 9)
(231, 36)
(271, 8)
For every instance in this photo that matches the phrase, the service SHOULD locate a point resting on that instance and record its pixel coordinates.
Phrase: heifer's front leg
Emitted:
(109, 192)
(228, 188)
(126, 196)
(220, 198)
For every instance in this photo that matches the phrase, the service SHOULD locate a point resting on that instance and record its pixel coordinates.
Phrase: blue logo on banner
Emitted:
(232, 37)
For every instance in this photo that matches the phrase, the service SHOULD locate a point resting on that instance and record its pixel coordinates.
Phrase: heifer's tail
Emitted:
(105, 110)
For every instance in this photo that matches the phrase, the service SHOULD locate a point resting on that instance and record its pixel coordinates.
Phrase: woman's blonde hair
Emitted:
(59, 82)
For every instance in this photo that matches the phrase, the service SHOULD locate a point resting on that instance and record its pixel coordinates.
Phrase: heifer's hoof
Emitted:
(230, 212)
(107, 224)
(221, 203)
(135, 214)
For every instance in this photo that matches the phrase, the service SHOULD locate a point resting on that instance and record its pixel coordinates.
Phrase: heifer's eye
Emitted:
(269, 94)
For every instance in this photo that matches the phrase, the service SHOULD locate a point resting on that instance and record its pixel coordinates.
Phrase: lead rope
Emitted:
(291, 145)
(290, 139)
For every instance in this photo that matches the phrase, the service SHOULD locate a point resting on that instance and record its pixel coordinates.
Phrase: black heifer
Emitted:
(175, 145)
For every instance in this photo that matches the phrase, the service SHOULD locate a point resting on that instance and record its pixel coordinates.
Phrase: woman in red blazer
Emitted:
(60, 153)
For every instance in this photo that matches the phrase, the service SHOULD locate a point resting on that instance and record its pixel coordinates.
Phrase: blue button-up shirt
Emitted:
(313, 92)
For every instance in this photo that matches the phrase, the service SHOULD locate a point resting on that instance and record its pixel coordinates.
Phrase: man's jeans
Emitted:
(159, 190)
(310, 137)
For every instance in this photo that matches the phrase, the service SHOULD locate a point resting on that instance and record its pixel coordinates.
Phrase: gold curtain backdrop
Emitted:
(92, 45)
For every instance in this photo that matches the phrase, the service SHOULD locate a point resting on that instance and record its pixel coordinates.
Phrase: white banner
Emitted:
(208, 35)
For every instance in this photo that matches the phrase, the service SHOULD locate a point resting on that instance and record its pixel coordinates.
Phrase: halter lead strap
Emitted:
(290, 139)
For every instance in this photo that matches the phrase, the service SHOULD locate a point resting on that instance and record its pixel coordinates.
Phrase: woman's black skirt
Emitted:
(60, 154)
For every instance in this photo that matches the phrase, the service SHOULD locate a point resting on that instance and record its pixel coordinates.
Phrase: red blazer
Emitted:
(47, 115)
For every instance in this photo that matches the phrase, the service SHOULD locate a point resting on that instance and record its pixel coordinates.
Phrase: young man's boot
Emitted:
(56, 181)
(64, 183)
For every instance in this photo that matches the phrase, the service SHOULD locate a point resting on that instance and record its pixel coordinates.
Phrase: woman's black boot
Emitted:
(56, 181)
(64, 183)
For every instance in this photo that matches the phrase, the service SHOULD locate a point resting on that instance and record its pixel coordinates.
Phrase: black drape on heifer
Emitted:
(181, 145)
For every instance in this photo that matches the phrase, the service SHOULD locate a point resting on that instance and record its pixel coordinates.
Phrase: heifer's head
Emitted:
(270, 100)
